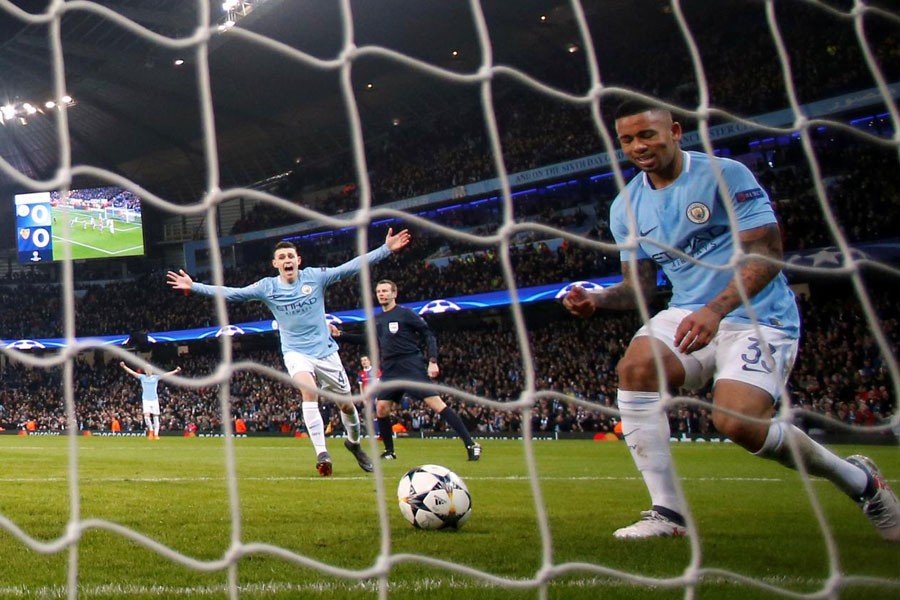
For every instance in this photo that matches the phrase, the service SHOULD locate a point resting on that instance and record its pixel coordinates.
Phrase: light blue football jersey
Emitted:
(149, 386)
(689, 215)
(299, 308)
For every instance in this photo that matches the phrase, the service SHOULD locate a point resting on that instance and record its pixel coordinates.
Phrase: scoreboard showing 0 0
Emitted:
(86, 223)
(34, 220)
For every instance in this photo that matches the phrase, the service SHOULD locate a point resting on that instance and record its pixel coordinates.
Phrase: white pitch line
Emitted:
(96, 249)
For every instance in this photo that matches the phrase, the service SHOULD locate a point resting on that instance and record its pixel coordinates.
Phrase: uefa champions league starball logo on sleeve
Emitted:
(588, 285)
(436, 307)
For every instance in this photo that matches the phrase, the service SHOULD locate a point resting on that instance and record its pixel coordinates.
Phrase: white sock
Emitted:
(819, 461)
(156, 424)
(646, 431)
(314, 425)
(351, 424)
(148, 422)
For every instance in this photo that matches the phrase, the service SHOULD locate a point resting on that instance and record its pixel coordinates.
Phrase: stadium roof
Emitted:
(136, 113)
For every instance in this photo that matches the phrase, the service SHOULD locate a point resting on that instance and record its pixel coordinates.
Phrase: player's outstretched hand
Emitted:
(579, 302)
(395, 242)
(179, 280)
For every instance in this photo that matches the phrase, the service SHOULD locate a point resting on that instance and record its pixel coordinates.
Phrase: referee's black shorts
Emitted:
(407, 369)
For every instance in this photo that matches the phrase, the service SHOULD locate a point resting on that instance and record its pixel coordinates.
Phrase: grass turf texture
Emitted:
(753, 517)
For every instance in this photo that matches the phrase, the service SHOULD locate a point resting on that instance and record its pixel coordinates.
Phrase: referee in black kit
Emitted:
(400, 332)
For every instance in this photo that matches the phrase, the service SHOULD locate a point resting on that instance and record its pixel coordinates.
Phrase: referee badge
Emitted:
(698, 213)
(393, 326)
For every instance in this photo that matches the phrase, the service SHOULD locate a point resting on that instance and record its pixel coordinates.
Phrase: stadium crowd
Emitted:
(840, 374)
(863, 193)
(744, 79)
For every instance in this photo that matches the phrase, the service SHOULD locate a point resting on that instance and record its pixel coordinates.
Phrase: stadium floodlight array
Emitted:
(697, 573)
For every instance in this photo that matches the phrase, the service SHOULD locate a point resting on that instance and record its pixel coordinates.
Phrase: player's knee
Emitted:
(435, 403)
(636, 372)
(747, 434)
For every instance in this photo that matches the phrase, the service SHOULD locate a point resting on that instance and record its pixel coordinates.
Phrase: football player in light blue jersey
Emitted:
(149, 397)
(296, 298)
(681, 223)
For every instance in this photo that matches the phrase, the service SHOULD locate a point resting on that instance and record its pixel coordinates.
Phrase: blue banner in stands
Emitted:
(887, 251)
(434, 306)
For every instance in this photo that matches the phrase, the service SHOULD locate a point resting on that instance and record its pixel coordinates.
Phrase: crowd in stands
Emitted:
(840, 374)
(863, 195)
(744, 79)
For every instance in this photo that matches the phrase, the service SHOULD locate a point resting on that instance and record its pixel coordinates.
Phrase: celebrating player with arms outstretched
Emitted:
(707, 332)
(296, 298)
(149, 397)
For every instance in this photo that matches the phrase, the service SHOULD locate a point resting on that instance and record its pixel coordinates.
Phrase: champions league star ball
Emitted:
(436, 307)
(434, 497)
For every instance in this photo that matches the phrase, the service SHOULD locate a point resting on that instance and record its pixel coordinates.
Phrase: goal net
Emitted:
(487, 129)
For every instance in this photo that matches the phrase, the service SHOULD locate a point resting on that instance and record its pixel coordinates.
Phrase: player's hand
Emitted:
(697, 330)
(178, 369)
(433, 370)
(398, 241)
(333, 330)
(579, 302)
(122, 364)
(179, 280)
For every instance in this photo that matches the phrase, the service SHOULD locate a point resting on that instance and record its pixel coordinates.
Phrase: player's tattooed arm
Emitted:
(638, 282)
(760, 265)
(621, 296)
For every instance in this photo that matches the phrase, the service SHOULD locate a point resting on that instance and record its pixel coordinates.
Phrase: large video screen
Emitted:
(102, 222)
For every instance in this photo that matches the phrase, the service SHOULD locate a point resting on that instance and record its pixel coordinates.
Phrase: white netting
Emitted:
(703, 109)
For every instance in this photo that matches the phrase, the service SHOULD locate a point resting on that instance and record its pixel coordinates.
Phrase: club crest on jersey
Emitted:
(306, 290)
(393, 326)
(698, 213)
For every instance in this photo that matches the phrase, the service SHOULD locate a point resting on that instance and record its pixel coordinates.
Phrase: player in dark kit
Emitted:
(400, 333)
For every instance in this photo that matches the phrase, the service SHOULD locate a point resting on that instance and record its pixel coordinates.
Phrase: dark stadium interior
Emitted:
(281, 127)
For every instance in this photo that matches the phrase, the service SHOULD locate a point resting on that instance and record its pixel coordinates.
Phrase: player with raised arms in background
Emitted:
(707, 332)
(400, 332)
(149, 396)
(296, 298)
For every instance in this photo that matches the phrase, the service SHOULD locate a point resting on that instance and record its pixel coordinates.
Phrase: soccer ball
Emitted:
(434, 497)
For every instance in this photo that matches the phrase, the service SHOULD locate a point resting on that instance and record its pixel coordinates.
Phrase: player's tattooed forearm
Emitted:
(624, 296)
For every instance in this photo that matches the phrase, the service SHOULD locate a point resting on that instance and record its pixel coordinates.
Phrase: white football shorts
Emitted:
(150, 407)
(328, 371)
(737, 352)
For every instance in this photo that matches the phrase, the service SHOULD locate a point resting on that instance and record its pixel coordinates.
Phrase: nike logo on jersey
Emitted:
(643, 233)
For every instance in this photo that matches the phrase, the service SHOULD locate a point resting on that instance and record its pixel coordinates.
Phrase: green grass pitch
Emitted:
(299, 532)
(85, 242)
